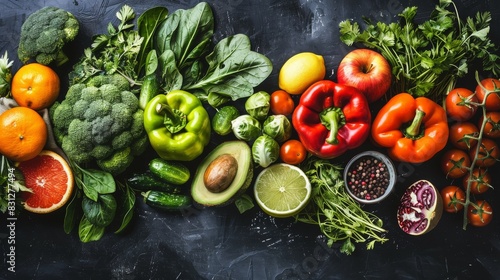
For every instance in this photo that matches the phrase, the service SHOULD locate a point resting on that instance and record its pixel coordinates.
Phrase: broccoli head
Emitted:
(100, 123)
(44, 35)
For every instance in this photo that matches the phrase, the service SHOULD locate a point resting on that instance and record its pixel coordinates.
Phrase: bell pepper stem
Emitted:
(332, 118)
(174, 120)
(413, 131)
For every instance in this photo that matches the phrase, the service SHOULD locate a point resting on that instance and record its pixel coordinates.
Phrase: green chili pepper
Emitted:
(178, 125)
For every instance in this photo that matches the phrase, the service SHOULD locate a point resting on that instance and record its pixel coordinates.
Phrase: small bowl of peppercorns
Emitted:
(369, 177)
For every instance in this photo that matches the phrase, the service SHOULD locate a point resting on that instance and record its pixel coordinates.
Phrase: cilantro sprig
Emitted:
(114, 52)
(428, 58)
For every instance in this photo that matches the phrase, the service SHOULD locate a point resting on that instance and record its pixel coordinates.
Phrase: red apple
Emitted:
(366, 70)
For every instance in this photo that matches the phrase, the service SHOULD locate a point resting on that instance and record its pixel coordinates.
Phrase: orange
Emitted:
(35, 86)
(23, 133)
(50, 179)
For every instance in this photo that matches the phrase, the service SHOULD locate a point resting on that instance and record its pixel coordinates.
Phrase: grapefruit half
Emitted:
(50, 179)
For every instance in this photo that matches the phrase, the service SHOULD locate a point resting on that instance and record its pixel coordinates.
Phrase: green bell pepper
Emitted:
(177, 124)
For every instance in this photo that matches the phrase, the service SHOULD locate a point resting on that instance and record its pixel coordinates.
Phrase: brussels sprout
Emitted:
(246, 128)
(265, 150)
(258, 104)
(278, 127)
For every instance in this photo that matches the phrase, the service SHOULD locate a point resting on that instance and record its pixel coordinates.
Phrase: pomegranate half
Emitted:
(420, 208)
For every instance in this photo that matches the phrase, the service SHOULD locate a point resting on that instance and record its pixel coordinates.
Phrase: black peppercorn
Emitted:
(368, 178)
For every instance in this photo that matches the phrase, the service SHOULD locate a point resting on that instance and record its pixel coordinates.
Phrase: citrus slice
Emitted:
(50, 179)
(282, 190)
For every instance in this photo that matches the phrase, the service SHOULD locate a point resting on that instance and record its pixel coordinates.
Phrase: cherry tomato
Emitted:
(488, 153)
(480, 216)
(492, 126)
(460, 135)
(293, 152)
(493, 101)
(457, 104)
(453, 199)
(281, 103)
(454, 163)
(480, 181)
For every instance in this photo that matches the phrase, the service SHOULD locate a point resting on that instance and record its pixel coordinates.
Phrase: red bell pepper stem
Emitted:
(413, 131)
(332, 118)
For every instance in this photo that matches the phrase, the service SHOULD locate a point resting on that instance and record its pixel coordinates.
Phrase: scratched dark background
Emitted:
(220, 243)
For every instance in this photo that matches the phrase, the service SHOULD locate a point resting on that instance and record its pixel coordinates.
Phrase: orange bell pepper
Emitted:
(413, 129)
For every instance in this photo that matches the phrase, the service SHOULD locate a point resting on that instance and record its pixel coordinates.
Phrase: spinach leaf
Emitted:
(147, 23)
(97, 182)
(100, 212)
(151, 62)
(88, 231)
(187, 33)
(70, 213)
(126, 206)
(244, 203)
(234, 69)
(170, 70)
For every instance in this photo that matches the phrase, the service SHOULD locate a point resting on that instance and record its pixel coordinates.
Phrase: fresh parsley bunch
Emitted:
(427, 58)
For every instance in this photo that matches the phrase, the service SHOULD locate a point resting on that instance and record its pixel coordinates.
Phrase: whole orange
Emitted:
(24, 133)
(35, 86)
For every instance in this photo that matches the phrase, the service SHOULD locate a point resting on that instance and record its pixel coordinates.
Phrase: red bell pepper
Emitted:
(331, 118)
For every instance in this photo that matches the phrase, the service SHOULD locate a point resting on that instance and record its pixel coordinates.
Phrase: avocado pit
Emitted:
(220, 173)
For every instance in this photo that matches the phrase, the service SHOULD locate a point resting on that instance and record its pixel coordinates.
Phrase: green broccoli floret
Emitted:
(75, 93)
(101, 152)
(100, 123)
(80, 132)
(45, 33)
(80, 108)
(137, 127)
(62, 115)
(123, 140)
(118, 162)
(74, 151)
(97, 109)
(139, 146)
(114, 79)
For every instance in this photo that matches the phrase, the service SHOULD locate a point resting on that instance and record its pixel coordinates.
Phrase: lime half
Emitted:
(282, 190)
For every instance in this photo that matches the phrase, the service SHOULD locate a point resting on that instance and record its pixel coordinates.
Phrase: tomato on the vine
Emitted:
(453, 199)
(459, 104)
(455, 163)
(480, 214)
(480, 181)
(492, 126)
(462, 135)
(488, 153)
(293, 152)
(281, 103)
(493, 100)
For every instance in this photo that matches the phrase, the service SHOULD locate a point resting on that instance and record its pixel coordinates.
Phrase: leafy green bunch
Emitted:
(339, 217)
(112, 53)
(427, 58)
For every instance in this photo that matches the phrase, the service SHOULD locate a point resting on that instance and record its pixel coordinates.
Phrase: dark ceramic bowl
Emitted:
(386, 181)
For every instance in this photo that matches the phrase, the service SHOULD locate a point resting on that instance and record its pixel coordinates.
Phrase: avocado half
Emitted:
(243, 154)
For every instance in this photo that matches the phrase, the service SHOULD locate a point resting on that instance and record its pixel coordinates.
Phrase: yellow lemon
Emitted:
(300, 71)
